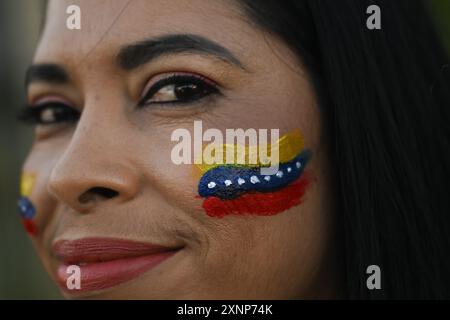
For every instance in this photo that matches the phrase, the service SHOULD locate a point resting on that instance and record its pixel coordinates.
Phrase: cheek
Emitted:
(278, 255)
(35, 203)
(27, 209)
(239, 188)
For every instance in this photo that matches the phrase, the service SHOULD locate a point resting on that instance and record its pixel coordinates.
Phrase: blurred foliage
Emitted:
(441, 13)
(21, 276)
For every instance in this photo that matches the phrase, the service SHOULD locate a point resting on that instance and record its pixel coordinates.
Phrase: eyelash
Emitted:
(206, 86)
(33, 115)
(62, 113)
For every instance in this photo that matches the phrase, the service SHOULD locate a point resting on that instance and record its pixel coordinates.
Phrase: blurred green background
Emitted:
(21, 276)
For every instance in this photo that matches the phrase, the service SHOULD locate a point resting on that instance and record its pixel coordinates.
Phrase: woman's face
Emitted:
(109, 175)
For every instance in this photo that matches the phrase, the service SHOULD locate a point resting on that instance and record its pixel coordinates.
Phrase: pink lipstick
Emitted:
(107, 262)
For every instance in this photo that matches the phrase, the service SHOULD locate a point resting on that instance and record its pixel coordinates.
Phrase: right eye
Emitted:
(49, 113)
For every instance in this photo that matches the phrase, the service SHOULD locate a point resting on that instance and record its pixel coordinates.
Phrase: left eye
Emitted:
(49, 113)
(179, 89)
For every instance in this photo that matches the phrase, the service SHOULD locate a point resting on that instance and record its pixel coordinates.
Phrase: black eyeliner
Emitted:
(178, 80)
(28, 115)
(31, 115)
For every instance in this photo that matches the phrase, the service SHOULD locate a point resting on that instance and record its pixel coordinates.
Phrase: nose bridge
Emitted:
(94, 167)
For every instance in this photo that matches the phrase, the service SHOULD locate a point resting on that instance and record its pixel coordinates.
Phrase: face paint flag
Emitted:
(26, 208)
(242, 189)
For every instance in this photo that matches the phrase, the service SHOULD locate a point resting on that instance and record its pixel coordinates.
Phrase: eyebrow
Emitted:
(51, 73)
(135, 55)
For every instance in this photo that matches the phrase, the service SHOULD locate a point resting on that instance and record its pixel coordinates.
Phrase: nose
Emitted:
(93, 171)
(85, 186)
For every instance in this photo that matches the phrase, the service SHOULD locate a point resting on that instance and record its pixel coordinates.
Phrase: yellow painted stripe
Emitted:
(27, 183)
(288, 146)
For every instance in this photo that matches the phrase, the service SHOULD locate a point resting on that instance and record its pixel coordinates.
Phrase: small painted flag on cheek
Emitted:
(240, 189)
(26, 208)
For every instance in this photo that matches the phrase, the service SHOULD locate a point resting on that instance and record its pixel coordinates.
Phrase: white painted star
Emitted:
(211, 185)
(254, 179)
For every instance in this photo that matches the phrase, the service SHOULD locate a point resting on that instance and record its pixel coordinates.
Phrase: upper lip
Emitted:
(91, 250)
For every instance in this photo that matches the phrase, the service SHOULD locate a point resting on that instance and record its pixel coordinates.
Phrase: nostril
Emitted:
(104, 192)
(94, 193)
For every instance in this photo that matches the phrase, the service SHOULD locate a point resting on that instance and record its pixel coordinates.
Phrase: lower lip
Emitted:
(101, 275)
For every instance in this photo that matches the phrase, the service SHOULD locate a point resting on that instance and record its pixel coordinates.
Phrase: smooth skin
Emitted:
(120, 147)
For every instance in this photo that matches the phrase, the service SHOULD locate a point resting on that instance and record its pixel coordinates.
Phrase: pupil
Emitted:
(187, 91)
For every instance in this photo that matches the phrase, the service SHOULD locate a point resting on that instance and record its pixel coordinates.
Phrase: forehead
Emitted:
(107, 25)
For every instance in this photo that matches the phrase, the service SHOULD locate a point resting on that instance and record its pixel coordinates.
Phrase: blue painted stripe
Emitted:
(26, 208)
(231, 181)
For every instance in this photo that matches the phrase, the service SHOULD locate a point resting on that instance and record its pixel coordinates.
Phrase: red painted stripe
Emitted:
(30, 227)
(263, 204)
